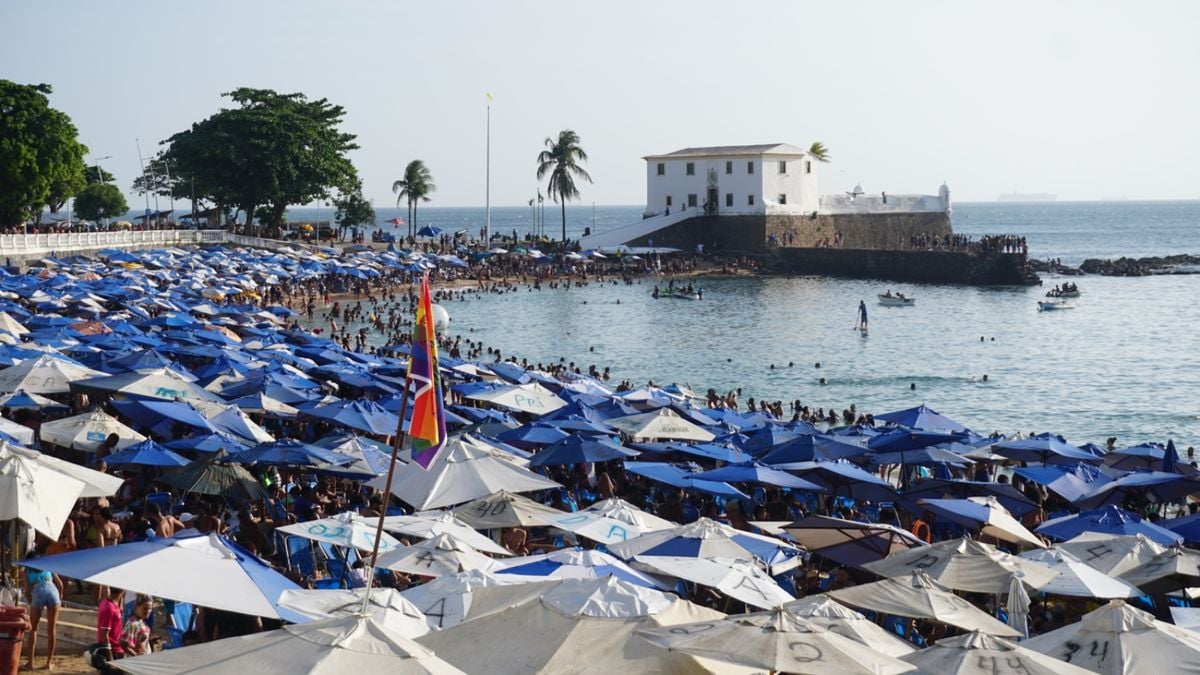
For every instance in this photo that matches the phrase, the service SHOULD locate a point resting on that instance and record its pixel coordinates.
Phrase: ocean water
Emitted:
(1123, 363)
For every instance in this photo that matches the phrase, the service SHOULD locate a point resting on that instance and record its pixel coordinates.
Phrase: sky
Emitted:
(1084, 99)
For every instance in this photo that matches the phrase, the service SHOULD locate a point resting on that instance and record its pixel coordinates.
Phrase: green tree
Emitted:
(99, 201)
(353, 210)
(271, 150)
(41, 158)
(561, 160)
(414, 187)
(95, 174)
(819, 152)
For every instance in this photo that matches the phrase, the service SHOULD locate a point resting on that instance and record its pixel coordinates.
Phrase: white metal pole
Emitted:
(487, 220)
(141, 161)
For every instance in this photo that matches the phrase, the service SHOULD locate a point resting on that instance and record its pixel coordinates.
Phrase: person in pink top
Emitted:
(109, 628)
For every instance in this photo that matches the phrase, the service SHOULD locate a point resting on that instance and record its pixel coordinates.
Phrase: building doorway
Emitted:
(710, 202)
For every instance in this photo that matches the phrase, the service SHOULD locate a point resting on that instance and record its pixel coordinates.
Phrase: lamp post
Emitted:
(99, 179)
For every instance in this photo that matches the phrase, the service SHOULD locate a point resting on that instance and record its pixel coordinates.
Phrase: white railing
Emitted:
(834, 204)
(66, 242)
(636, 230)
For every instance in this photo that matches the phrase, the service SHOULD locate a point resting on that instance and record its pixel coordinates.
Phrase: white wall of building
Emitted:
(734, 184)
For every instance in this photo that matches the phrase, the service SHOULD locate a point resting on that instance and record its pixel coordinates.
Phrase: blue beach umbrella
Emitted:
(366, 416)
(717, 451)
(161, 416)
(1069, 482)
(1187, 527)
(1139, 457)
(922, 418)
(429, 231)
(1170, 463)
(290, 452)
(580, 449)
(760, 474)
(1108, 520)
(533, 436)
(680, 476)
(934, 488)
(1152, 486)
(842, 479)
(928, 456)
(809, 447)
(1045, 449)
(147, 453)
(760, 441)
(900, 439)
(19, 400)
(214, 442)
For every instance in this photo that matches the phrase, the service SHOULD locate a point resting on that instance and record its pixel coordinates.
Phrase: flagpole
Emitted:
(487, 190)
(387, 495)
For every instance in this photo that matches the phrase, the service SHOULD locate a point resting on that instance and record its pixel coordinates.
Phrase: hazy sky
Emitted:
(1086, 99)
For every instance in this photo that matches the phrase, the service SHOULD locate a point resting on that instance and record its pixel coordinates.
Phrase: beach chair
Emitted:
(162, 499)
(300, 555)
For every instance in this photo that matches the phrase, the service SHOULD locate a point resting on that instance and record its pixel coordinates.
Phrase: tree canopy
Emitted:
(819, 151)
(354, 210)
(41, 158)
(413, 188)
(270, 151)
(561, 160)
(99, 201)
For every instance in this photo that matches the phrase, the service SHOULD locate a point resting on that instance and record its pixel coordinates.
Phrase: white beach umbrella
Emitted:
(581, 627)
(985, 514)
(741, 580)
(919, 596)
(426, 525)
(838, 618)
(446, 600)
(506, 509)
(1187, 618)
(965, 565)
(162, 384)
(1172, 570)
(95, 483)
(777, 641)
(344, 644)
(44, 375)
(464, 470)
(345, 529)
(12, 325)
(611, 521)
(530, 398)
(572, 563)
(20, 432)
(1112, 554)
(660, 424)
(35, 494)
(386, 606)
(437, 556)
(981, 654)
(1078, 579)
(1118, 639)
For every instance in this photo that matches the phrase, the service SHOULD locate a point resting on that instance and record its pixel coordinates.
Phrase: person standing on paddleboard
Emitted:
(862, 315)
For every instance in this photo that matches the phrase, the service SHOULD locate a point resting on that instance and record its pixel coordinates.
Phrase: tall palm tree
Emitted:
(414, 187)
(818, 151)
(561, 160)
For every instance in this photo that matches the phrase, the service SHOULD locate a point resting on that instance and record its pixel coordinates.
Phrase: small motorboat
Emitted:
(1053, 305)
(896, 300)
(1056, 293)
(678, 294)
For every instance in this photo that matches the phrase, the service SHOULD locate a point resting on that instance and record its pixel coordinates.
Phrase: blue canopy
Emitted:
(161, 416)
(532, 436)
(809, 447)
(758, 473)
(934, 488)
(760, 441)
(1070, 482)
(429, 231)
(1147, 456)
(1187, 527)
(1108, 520)
(365, 416)
(290, 452)
(927, 456)
(579, 449)
(1152, 486)
(213, 442)
(680, 476)
(922, 418)
(1045, 449)
(1170, 463)
(147, 453)
(900, 439)
(844, 480)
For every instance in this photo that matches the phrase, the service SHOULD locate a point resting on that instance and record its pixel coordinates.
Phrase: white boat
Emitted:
(1054, 305)
(896, 300)
(1073, 293)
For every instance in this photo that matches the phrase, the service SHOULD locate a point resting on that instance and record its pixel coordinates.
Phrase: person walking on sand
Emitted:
(862, 315)
(44, 590)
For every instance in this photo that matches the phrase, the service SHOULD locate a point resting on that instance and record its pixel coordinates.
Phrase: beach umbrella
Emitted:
(235, 422)
(34, 493)
(1045, 449)
(922, 418)
(217, 477)
(386, 606)
(147, 453)
(775, 641)
(45, 374)
(843, 479)
(573, 563)
(1187, 527)
(446, 600)
(395, 221)
(936, 488)
(917, 595)
(1078, 579)
(716, 451)
(213, 442)
(1069, 482)
(965, 565)
(762, 440)
(1145, 457)
(1107, 520)
(365, 416)
(429, 231)
(433, 523)
(977, 653)
(742, 580)
(661, 424)
(533, 436)
(162, 416)
(584, 627)
(611, 521)
(289, 452)
(835, 617)
(17, 433)
(1172, 570)
(849, 542)
(985, 514)
(20, 400)
(580, 449)
(8, 323)
(530, 398)
(1125, 640)
(347, 530)
(161, 383)
(760, 474)
(506, 509)
(1187, 618)
(708, 538)
(1150, 486)
(206, 570)
(95, 483)
(813, 447)
(436, 556)
(680, 475)
(1112, 554)
(901, 439)
(344, 644)
(927, 456)
(464, 469)
(262, 404)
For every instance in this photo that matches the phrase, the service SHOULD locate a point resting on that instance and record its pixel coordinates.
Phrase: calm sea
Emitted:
(1123, 363)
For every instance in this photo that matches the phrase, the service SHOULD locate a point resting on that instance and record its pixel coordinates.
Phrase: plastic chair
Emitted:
(326, 584)
(162, 499)
(300, 556)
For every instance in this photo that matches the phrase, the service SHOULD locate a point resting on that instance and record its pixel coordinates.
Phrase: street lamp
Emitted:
(99, 172)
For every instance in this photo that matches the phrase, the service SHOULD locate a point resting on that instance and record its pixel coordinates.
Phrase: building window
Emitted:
(749, 167)
(729, 199)
(782, 167)
(749, 200)
(691, 200)
(662, 169)
(668, 200)
(807, 166)
(782, 199)
(728, 168)
(691, 169)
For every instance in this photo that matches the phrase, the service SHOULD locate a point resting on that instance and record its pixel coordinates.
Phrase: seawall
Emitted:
(938, 267)
(756, 233)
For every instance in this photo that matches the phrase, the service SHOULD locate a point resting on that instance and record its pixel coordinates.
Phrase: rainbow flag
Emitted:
(428, 426)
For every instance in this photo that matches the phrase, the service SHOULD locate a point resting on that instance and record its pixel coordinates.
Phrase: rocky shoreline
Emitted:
(1124, 267)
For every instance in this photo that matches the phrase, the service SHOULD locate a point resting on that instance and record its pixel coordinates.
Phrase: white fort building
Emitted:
(747, 192)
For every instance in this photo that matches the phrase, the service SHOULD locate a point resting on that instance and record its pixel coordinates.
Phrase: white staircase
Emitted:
(627, 233)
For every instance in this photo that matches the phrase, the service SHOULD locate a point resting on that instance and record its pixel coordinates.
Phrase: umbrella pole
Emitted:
(387, 495)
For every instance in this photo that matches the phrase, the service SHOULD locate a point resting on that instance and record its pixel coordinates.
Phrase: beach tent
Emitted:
(707, 538)
(446, 600)
(386, 606)
(530, 398)
(34, 493)
(46, 374)
(965, 565)
(977, 653)
(584, 627)
(433, 523)
(1107, 520)
(985, 514)
(611, 521)
(777, 641)
(917, 595)
(573, 563)
(505, 509)
(1127, 640)
(206, 570)
(464, 469)
(344, 644)
(740, 579)
(660, 424)
(1112, 554)
(347, 530)
(849, 542)
(1078, 579)
(436, 556)
(922, 418)
(835, 617)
